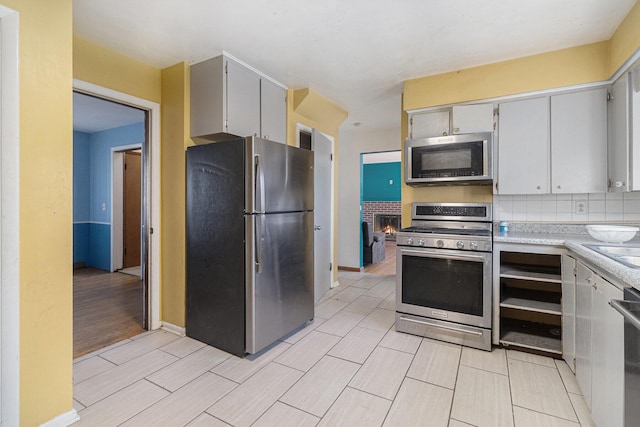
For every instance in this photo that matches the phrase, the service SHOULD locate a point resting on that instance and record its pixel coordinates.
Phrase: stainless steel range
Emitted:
(443, 274)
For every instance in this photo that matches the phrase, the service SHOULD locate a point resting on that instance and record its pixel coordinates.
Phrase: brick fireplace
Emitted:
(385, 216)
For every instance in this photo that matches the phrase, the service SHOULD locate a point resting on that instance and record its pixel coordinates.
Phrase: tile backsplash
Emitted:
(578, 208)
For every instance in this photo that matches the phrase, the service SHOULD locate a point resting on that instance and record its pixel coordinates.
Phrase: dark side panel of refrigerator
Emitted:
(215, 245)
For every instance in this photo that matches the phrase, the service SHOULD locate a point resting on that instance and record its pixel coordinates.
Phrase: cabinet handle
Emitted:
(539, 187)
(559, 187)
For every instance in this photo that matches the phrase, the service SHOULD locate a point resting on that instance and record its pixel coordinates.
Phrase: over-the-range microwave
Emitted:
(448, 160)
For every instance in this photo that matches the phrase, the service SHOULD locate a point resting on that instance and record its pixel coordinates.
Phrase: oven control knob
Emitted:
(421, 242)
(460, 244)
(440, 243)
(474, 246)
(409, 241)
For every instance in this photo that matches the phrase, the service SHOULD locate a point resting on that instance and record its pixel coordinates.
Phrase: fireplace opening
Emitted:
(389, 224)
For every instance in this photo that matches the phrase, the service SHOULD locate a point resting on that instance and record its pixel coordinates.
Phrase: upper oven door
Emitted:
(444, 284)
(448, 160)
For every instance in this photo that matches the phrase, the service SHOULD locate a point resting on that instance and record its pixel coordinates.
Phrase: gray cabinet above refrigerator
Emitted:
(231, 99)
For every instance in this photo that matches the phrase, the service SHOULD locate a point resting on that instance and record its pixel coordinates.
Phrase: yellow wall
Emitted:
(625, 40)
(175, 139)
(46, 156)
(104, 67)
(310, 109)
(565, 67)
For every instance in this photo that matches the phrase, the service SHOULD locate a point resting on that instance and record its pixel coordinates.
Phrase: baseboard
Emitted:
(358, 269)
(170, 327)
(63, 420)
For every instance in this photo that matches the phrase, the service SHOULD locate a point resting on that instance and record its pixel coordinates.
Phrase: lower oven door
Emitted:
(451, 286)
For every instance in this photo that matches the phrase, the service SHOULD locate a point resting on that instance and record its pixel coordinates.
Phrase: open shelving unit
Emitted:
(530, 301)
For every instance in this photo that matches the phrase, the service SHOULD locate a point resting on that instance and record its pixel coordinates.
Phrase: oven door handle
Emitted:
(432, 254)
(625, 308)
(434, 325)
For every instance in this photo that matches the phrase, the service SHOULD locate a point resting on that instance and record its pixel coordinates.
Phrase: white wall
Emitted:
(351, 143)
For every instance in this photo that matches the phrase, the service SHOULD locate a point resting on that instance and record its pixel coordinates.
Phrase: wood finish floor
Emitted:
(386, 267)
(107, 308)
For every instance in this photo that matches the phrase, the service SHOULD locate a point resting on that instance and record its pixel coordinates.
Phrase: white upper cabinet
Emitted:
(472, 118)
(523, 147)
(228, 98)
(554, 144)
(430, 124)
(579, 142)
(635, 126)
(243, 100)
(618, 145)
(454, 120)
(273, 111)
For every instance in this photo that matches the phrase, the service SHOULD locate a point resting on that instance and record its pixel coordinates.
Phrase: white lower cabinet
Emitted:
(599, 346)
(569, 311)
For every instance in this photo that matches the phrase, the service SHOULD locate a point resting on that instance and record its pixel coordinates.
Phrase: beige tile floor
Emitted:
(348, 368)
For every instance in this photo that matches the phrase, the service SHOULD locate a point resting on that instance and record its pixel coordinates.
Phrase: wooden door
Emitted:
(132, 209)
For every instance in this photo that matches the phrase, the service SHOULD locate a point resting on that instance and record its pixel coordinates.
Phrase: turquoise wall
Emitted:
(376, 184)
(92, 191)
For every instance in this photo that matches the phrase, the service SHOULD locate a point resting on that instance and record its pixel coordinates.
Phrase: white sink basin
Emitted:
(625, 254)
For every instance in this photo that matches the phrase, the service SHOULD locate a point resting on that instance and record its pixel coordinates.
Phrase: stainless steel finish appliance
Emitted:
(447, 160)
(630, 309)
(443, 274)
(249, 242)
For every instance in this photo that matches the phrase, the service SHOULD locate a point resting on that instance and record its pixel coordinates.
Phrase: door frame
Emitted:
(10, 219)
(299, 127)
(117, 196)
(152, 188)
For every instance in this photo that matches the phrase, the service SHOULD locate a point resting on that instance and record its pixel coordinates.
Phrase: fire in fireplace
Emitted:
(387, 223)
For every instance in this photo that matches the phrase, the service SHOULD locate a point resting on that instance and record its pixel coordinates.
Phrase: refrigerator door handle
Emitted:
(259, 186)
(259, 242)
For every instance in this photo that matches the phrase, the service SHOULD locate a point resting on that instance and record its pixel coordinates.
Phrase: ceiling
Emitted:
(92, 114)
(356, 53)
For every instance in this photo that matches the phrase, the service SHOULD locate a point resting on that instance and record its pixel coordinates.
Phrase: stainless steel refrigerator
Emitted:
(249, 243)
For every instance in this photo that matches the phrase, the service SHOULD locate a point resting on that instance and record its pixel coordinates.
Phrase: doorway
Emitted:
(132, 209)
(380, 203)
(101, 127)
(322, 146)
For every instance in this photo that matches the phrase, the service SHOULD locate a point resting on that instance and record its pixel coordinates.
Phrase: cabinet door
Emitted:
(618, 146)
(427, 125)
(472, 118)
(607, 338)
(584, 279)
(243, 100)
(635, 126)
(523, 147)
(579, 142)
(273, 111)
(569, 311)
